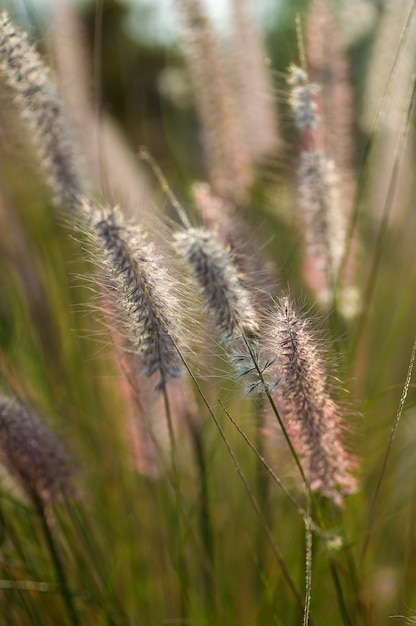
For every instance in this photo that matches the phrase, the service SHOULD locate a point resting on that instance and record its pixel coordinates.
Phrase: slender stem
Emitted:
(183, 578)
(308, 561)
(252, 499)
(263, 490)
(316, 529)
(258, 512)
(56, 559)
(340, 594)
(164, 185)
(275, 411)
(107, 591)
(205, 520)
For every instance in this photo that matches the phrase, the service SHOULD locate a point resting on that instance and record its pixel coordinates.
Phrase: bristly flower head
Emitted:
(33, 454)
(225, 296)
(301, 98)
(306, 404)
(144, 292)
(27, 81)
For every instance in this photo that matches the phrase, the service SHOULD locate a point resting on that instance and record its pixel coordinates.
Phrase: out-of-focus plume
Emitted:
(321, 214)
(33, 454)
(254, 88)
(328, 66)
(226, 153)
(322, 102)
(26, 81)
(112, 165)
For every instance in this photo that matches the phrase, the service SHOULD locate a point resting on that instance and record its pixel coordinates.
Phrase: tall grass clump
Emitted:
(207, 287)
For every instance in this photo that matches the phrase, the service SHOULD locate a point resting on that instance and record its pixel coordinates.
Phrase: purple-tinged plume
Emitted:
(33, 454)
(306, 404)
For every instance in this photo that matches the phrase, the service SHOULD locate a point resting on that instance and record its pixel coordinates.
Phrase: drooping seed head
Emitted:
(144, 293)
(224, 294)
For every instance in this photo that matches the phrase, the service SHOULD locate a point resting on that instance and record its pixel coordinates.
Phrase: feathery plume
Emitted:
(226, 298)
(306, 404)
(32, 453)
(237, 236)
(26, 80)
(226, 153)
(110, 162)
(145, 295)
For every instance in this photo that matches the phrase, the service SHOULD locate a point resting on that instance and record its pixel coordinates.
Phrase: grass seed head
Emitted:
(226, 298)
(144, 293)
(26, 79)
(306, 403)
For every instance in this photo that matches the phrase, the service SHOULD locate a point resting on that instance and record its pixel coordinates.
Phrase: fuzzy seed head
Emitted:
(226, 298)
(144, 292)
(304, 399)
(301, 98)
(32, 453)
(26, 78)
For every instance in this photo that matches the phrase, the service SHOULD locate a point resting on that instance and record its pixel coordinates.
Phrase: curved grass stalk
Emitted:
(386, 458)
(276, 551)
(57, 562)
(308, 562)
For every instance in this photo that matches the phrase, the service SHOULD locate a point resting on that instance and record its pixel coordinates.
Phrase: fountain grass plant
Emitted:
(233, 381)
